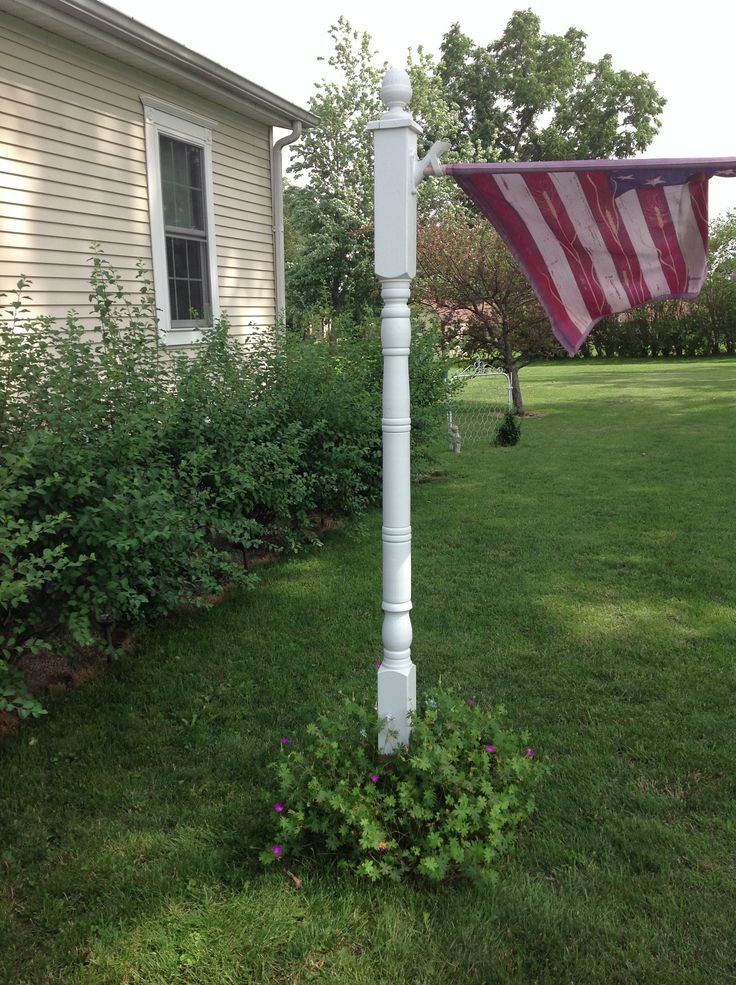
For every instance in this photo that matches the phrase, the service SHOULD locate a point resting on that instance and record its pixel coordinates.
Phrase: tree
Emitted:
(333, 211)
(722, 246)
(532, 97)
(468, 278)
(526, 96)
(717, 301)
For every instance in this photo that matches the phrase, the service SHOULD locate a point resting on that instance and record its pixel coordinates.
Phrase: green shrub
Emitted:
(446, 805)
(86, 452)
(231, 433)
(508, 432)
(131, 479)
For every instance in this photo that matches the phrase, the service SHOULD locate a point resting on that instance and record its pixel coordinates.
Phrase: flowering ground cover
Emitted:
(584, 578)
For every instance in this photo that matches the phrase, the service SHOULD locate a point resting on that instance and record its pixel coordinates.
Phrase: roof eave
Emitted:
(106, 30)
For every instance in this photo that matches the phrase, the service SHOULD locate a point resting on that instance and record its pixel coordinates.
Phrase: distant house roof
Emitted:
(116, 35)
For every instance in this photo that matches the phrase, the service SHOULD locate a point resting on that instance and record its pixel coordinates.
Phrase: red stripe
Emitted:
(662, 229)
(699, 201)
(555, 215)
(599, 196)
(484, 191)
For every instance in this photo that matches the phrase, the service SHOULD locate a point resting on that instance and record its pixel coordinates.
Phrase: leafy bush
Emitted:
(90, 473)
(508, 432)
(130, 480)
(446, 805)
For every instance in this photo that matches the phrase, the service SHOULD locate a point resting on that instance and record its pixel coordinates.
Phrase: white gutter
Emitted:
(277, 204)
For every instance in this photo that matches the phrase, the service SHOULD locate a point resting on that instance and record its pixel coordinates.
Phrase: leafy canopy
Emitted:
(526, 96)
(531, 96)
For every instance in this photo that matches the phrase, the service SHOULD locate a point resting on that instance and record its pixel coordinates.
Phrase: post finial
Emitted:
(396, 89)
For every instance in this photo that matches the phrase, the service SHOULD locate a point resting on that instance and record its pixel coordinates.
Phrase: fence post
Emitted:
(395, 145)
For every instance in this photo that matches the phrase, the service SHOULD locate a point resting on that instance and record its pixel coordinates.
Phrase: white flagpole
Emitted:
(395, 145)
(397, 174)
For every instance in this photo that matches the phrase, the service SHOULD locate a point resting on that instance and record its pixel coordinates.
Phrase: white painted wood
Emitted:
(395, 143)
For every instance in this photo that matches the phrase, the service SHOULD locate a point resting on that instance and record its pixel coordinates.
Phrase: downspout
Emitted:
(277, 205)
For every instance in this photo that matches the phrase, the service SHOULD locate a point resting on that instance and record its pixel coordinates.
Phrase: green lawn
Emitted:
(585, 579)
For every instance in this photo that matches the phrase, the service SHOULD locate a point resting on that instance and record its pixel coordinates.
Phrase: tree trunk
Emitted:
(516, 390)
(509, 365)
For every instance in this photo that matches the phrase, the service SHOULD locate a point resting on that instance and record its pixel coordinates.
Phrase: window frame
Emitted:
(162, 119)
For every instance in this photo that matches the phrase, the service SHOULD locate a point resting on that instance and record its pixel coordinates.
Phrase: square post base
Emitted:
(397, 696)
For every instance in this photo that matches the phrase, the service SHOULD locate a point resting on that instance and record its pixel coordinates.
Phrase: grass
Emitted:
(584, 578)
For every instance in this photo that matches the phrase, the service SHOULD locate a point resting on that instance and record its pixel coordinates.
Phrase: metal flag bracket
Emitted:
(430, 165)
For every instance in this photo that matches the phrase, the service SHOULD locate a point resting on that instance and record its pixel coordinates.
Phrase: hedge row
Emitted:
(132, 480)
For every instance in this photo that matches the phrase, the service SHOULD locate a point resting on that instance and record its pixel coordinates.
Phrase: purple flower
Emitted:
(377, 664)
(276, 850)
(529, 753)
(489, 748)
(472, 702)
(373, 777)
(283, 741)
(278, 807)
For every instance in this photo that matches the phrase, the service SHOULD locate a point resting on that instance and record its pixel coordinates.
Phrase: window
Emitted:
(179, 165)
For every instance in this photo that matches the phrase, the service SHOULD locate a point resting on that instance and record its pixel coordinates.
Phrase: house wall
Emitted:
(73, 171)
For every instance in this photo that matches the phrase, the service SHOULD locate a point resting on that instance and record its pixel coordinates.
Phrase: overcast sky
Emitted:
(690, 56)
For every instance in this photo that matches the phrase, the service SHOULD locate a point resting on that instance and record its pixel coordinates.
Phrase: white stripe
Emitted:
(573, 198)
(688, 234)
(629, 209)
(515, 191)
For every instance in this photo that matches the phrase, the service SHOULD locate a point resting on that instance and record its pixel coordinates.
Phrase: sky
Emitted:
(690, 57)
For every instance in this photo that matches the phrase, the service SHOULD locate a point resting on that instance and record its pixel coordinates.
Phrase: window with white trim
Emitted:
(179, 166)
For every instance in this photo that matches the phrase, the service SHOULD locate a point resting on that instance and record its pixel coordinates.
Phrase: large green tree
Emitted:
(528, 95)
(531, 96)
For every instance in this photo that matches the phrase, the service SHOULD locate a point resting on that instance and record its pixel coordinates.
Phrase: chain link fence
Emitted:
(479, 405)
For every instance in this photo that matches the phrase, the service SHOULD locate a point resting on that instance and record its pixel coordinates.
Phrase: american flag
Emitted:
(598, 237)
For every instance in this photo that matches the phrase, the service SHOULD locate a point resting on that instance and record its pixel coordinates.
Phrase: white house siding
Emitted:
(73, 171)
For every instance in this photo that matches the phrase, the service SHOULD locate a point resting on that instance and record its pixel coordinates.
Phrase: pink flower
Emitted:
(472, 702)
(529, 753)
(278, 808)
(373, 777)
(283, 741)
(276, 850)
(377, 664)
(489, 748)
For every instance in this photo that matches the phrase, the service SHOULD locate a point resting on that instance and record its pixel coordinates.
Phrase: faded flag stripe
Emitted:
(598, 194)
(632, 216)
(484, 190)
(689, 237)
(515, 191)
(661, 228)
(595, 237)
(586, 227)
(555, 215)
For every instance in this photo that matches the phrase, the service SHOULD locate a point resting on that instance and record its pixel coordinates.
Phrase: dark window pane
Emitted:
(194, 155)
(196, 299)
(188, 278)
(194, 256)
(182, 212)
(167, 188)
(182, 300)
(167, 159)
(181, 170)
(179, 258)
(172, 298)
(197, 206)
